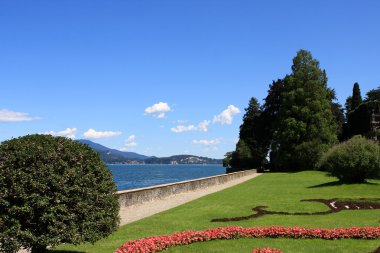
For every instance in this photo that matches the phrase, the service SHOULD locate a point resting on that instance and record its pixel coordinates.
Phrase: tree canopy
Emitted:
(249, 152)
(307, 127)
(53, 190)
(356, 98)
(297, 122)
(301, 119)
(373, 95)
(359, 117)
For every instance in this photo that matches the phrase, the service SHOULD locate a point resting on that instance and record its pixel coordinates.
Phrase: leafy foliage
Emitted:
(338, 114)
(373, 95)
(359, 120)
(296, 124)
(300, 120)
(53, 190)
(242, 157)
(250, 151)
(347, 105)
(227, 159)
(353, 161)
(271, 111)
(307, 127)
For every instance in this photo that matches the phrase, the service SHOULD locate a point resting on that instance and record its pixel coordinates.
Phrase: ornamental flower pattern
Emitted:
(159, 243)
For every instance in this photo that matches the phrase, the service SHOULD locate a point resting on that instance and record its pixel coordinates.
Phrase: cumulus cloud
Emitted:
(92, 134)
(208, 142)
(202, 127)
(131, 138)
(68, 132)
(11, 116)
(130, 142)
(158, 110)
(227, 115)
(180, 128)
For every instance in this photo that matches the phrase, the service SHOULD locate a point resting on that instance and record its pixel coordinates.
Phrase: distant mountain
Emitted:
(115, 156)
(109, 155)
(182, 159)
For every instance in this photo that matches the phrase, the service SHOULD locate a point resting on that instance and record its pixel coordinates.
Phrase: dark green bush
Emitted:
(53, 190)
(353, 161)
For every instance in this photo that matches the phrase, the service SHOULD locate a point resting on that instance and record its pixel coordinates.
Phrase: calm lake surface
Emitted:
(128, 176)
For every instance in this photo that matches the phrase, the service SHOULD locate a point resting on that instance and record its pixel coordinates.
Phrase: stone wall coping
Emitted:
(184, 182)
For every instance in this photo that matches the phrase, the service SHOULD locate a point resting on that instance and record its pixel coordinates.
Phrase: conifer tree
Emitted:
(249, 151)
(356, 99)
(306, 124)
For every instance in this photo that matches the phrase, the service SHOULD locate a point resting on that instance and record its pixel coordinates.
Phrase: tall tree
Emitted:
(356, 97)
(338, 113)
(249, 152)
(270, 112)
(306, 124)
(252, 112)
(241, 158)
(362, 120)
(347, 105)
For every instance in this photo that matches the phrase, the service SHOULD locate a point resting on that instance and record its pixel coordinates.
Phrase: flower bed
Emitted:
(159, 243)
(267, 250)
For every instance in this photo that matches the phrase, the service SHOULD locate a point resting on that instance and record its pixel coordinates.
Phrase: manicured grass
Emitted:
(278, 191)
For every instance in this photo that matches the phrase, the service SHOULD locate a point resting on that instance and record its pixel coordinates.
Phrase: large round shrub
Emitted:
(53, 190)
(353, 161)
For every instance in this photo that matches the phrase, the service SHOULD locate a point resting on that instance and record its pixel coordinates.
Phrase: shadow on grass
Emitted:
(336, 183)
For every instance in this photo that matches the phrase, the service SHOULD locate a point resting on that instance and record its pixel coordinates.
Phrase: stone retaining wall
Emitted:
(141, 195)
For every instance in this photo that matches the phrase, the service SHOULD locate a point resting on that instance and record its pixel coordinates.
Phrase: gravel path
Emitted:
(137, 212)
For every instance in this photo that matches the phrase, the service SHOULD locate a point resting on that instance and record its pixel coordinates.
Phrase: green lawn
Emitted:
(278, 191)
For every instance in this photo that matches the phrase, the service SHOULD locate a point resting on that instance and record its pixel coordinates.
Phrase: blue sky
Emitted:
(165, 77)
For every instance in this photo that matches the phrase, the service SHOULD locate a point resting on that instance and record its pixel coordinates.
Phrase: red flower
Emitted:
(267, 250)
(159, 243)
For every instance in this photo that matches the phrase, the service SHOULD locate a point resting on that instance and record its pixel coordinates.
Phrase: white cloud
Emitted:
(158, 110)
(68, 132)
(130, 142)
(180, 129)
(202, 127)
(11, 116)
(92, 134)
(227, 115)
(208, 142)
(131, 138)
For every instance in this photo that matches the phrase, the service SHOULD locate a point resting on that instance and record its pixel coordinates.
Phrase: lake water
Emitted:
(128, 176)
